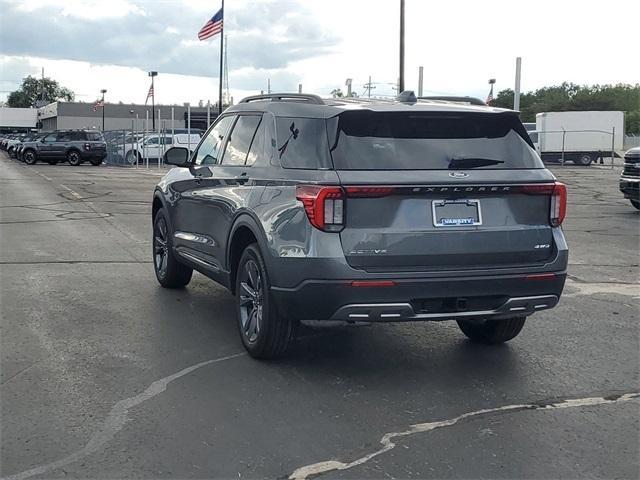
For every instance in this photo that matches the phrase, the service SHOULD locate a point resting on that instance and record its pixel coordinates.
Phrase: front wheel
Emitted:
(73, 157)
(265, 334)
(492, 331)
(169, 271)
(635, 203)
(29, 157)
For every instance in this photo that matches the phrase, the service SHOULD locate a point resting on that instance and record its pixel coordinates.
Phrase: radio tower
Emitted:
(226, 99)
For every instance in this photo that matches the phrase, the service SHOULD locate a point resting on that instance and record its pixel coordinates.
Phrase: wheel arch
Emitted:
(245, 231)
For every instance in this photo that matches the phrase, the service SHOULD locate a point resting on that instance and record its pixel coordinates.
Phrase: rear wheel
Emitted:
(73, 157)
(584, 159)
(492, 331)
(635, 203)
(169, 272)
(29, 157)
(132, 157)
(265, 334)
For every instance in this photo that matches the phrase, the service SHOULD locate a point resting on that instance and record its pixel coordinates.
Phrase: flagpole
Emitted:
(221, 47)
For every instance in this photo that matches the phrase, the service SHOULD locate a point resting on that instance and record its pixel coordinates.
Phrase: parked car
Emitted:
(630, 178)
(16, 146)
(5, 140)
(364, 211)
(153, 146)
(74, 146)
(12, 143)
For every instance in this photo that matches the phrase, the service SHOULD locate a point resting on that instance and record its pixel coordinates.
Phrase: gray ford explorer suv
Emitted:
(364, 211)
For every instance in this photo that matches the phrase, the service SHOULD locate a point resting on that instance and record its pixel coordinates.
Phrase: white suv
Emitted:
(154, 146)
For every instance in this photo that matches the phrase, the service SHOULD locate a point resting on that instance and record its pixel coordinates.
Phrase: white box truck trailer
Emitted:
(582, 136)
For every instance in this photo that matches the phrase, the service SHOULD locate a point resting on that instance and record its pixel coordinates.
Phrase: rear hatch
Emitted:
(429, 191)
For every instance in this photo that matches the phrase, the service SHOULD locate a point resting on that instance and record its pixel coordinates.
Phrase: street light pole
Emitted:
(153, 101)
(103, 91)
(401, 77)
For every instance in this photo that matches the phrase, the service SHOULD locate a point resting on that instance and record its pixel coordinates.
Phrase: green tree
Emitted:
(33, 89)
(569, 96)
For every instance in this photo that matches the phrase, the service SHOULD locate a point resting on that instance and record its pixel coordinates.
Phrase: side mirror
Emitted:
(178, 156)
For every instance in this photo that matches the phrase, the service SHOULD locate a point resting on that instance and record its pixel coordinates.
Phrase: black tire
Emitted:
(29, 157)
(635, 203)
(492, 331)
(131, 157)
(52, 161)
(169, 271)
(74, 158)
(264, 332)
(96, 162)
(584, 159)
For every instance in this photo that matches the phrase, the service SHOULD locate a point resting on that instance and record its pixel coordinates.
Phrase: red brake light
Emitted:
(369, 192)
(558, 209)
(324, 206)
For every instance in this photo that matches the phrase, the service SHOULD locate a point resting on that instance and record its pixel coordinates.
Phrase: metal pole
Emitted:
(153, 105)
(516, 95)
(103, 112)
(563, 135)
(221, 66)
(613, 145)
(132, 139)
(173, 127)
(137, 150)
(144, 140)
(208, 114)
(420, 80)
(268, 85)
(401, 81)
(160, 139)
(189, 128)
(299, 88)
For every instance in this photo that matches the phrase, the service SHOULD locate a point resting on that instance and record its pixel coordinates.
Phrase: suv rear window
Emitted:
(430, 141)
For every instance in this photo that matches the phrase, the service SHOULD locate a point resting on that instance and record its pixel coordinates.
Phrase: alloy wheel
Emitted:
(160, 252)
(251, 301)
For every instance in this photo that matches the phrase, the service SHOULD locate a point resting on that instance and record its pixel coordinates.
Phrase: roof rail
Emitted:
(275, 97)
(455, 99)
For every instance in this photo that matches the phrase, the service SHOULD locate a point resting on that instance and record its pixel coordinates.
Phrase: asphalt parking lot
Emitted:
(106, 375)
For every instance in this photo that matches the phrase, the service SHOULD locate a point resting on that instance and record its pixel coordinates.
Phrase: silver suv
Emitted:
(364, 211)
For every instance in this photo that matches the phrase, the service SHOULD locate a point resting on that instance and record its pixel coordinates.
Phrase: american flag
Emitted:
(97, 105)
(150, 94)
(212, 27)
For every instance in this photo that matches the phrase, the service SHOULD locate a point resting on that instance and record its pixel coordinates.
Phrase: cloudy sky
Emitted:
(88, 45)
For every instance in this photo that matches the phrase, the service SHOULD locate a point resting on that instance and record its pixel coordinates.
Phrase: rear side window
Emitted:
(94, 136)
(366, 140)
(240, 140)
(302, 143)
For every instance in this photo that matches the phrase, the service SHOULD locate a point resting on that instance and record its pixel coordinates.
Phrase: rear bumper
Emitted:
(431, 299)
(630, 187)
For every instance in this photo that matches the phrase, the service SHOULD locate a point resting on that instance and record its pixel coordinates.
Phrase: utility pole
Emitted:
(103, 91)
(153, 101)
(420, 80)
(401, 81)
(299, 88)
(268, 85)
(368, 87)
(516, 90)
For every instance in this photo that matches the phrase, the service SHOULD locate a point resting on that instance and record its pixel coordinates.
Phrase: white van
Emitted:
(153, 146)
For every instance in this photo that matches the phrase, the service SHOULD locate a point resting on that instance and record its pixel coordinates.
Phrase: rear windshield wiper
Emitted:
(472, 162)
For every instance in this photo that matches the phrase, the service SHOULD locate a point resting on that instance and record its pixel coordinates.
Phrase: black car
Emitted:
(74, 146)
(630, 178)
(364, 211)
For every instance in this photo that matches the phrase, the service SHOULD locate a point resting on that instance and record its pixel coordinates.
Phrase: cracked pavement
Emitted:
(106, 375)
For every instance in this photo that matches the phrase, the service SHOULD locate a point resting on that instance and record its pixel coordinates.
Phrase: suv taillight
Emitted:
(324, 206)
(558, 209)
(558, 205)
(87, 146)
